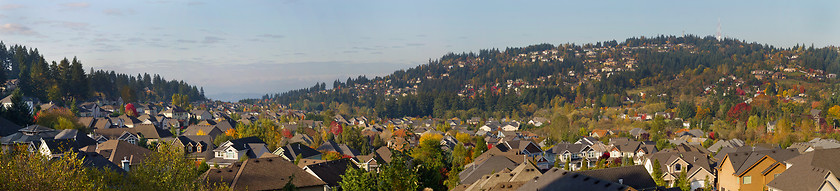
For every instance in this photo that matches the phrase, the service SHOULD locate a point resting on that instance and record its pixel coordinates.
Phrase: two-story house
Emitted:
(233, 150)
(673, 162)
(576, 155)
(751, 170)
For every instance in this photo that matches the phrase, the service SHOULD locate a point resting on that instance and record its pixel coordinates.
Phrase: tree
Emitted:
(657, 173)
(357, 179)
(181, 100)
(19, 113)
(683, 182)
(165, 168)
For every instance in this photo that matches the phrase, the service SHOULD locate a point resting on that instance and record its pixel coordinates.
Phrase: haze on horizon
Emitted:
(245, 49)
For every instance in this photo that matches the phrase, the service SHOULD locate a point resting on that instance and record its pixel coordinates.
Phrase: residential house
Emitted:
(619, 178)
(291, 152)
(538, 121)
(815, 144)
(197, 147)
(123, 154)
(576, 154)
(29, 136)
(330, 171)
(150, 132)
(263, 174)
(176, 113)
(7, 127)
(598, 133)
(29, 101)
(54, 148)
(211, 130)
(372, 161)
(332, 146)
(201, 114)
(815, 170)
(232, 150)
(731, 143)
(752, 170)
(518, 176)
(697, 166)
(122, 134)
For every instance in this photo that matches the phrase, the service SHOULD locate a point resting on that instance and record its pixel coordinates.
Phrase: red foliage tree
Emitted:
(739, 111)
(130, 110)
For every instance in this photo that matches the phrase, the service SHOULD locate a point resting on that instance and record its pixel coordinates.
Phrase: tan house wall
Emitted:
(758, 180)
(727, 181)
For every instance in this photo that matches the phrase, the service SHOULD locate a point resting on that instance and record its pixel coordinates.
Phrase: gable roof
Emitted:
(559, 179)
(808, 171)
(330, 171)
(7, 127)
(474, 171)
(253, 174)
(150, 131)
(340, 148)
(634, 176)
(291, 151)
(743, 161)
(117, 150)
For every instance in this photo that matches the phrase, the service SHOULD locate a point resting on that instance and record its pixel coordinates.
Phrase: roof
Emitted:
(473, 171)
(253, 174)
(80, 138)
(7, 127)
(331, 171)
(808, 171)
(291, 151)
(634, 176)
(743, 161)
(239, 144)
(202, 129)
(559, 179)
(117, 150)
(340, 148)
(150, 131)
(384, 153)
(59, 145)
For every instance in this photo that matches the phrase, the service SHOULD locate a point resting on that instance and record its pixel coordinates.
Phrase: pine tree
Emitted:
(657, 173)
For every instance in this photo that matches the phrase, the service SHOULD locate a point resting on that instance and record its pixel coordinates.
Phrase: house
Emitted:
(816, 170)
(372, 161)
(598, 133)
(123, 154)
(697, 166)
(7, 127)
(255, 173)
(639, 133)
(623, 147)
(344, 150)
(126, 121)
(176, 113)
(576, 154)
(815, 144)
(538, 121)
(211, 130)
(520, 147)
(619, 178)
(122, 134)
(301, 138)
(29, 101)
(752, 170)
(232, 150)
(150, 132)
(29, 136)
(731, 143)
(330, 171)
(47, 107)
(487, 165)
(90, 109)
(201, 114)
(53, 148)
(291, 151)
(103, 123)
(197, 147)
(518, 176)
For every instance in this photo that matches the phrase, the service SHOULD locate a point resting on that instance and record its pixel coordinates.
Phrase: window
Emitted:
(677, 167)
(230, 155)
(747, 179)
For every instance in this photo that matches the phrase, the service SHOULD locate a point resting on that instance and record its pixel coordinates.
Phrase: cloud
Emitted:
(118, 12)
(186, 41)
(211, 40)
(73, 25)
(11, 6)
(17, 29)
(271, 36)
(75, 5)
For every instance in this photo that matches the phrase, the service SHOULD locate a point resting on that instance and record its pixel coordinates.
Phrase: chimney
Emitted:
(125, 164)
(621, 181)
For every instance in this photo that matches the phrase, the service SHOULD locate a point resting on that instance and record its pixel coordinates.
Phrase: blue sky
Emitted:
(246, 48)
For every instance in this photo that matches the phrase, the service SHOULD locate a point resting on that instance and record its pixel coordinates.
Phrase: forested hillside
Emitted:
(516, 81)
(65, 81)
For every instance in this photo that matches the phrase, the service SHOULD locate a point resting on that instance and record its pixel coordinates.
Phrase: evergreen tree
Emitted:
(19, 112)
(657, 173)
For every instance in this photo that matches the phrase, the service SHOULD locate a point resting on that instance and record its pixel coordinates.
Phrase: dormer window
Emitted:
(677, 167)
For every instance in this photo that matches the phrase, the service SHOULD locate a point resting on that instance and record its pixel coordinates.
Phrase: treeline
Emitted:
(66, 81)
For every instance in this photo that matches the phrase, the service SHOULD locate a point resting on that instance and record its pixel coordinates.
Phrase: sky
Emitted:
(248, 48)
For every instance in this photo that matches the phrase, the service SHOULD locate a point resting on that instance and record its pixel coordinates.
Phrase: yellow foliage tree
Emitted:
(230, 132)
(834, 112)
